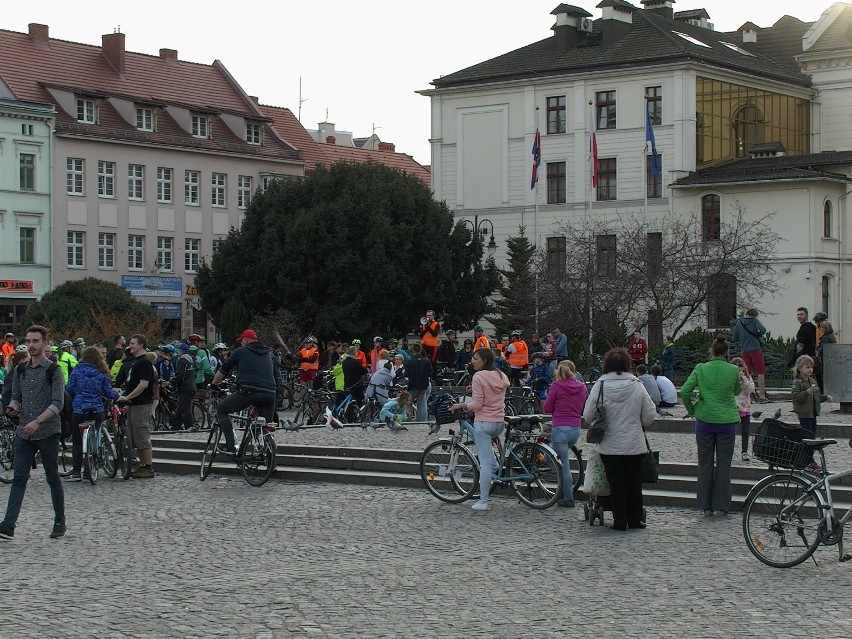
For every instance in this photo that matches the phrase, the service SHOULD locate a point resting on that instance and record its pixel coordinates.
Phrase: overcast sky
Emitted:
(359, 61)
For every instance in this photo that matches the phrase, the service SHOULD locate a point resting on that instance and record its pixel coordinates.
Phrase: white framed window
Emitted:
(253, 133)
(165, 248)
(191, 255)
(216, 244)
(135, 252)
(135, 182)
(144, 118)
(106, 250)
(27, 171)
(85, 111)
(191, 181)
(164, 184)
(77, 249)
(244, 183)
(266, 180)
(200, 126)
(27, 245)
(106, 179)
(74, 175)
(218, 196)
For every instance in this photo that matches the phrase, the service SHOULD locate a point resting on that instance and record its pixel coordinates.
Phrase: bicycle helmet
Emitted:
(219, 346)
(79, 341)
(356, 342)
(10, 335)
(820, 317)
(65, 343)
(169, 348)
(516, 333)
(195, 337)
(20, 348)
(378, 338)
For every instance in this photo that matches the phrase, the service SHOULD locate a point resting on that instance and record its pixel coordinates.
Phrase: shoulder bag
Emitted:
(597, 427)
(650, 464)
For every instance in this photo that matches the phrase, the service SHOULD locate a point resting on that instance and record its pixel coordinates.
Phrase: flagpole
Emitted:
(592, 149)
(535, 226)
(645, 166)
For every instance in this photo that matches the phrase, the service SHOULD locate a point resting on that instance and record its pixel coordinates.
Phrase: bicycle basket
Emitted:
(439, 406)
(781, 445)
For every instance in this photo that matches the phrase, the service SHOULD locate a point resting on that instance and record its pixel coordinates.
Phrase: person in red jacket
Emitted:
(637, 348)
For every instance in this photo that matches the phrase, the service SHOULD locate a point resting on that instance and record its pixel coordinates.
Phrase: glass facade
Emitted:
(730, 118)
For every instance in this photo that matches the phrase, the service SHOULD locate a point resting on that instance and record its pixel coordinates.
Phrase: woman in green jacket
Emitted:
(716, 418)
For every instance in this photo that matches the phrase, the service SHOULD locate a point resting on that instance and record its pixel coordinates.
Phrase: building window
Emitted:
(711, 218)
(243, 191)
(27, 164)
(654, 252)
(556, 255)
(144, 119)
(26, 129)
(191, 255)
(27, 236)
(748, 130)
(826, 219)
(135, 181)
(556, 182)
(654, 104)
(605, 105)
(85, 111)
(826, 295)
(721, 301)
(191, 180)
(106, 250)
(556, 114)
(74, 176)
(164, 185)
(164, 253)
(216, 244)
(253, 133)
(606, 245)
(106, 179)
(217, 194)
(607, 179)
(654, 183)
(200, 126)
(135, 252)
(77, 249)
(266, 180)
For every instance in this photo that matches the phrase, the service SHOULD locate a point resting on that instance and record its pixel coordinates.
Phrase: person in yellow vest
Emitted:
(518, 355)
(479, 339)
(66, 360)
(429, 331)
(308, 360)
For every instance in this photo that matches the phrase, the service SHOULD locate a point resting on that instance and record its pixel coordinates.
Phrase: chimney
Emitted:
(331, 140)
(169, 55)
(571, 22)
(112, 45)
(39, 33)
(387, 146)
(617, 20)
(662, 7)
(255, 99)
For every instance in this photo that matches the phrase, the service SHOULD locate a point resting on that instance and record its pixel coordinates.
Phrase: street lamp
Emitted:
(481, 227)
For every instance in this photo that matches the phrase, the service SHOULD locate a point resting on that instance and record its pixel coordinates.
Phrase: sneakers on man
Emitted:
(225, 449)
(6, 531)
(434, 428)
(58, 531)
(66, 473)
(746, 457)
(73, 477)
(481, 505)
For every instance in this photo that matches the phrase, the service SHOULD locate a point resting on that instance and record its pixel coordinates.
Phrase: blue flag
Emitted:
(649, 137)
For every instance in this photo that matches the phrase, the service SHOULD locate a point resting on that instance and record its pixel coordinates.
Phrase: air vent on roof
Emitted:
(585, 24)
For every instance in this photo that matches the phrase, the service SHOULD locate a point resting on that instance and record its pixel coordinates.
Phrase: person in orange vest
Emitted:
(502, 345)
(8, 348)
(360, 356)
(308, 360)
(479, 339)
(518, 355)
(429, 335)
(375, 354)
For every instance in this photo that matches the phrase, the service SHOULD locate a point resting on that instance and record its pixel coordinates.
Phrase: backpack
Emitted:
(67, 411)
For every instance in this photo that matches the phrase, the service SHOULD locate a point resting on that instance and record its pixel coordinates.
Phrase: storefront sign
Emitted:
(16, 286)
(167, 311)
(152, 285)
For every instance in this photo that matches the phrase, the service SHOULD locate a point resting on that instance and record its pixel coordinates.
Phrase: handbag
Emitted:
(597, 427)
(650, 465)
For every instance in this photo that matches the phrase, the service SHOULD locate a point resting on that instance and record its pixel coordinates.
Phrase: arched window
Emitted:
(826, 219)
(748, 129)
(711, 217)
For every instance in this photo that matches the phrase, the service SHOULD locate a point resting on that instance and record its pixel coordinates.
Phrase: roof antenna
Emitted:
(301, 99)
(117, 29)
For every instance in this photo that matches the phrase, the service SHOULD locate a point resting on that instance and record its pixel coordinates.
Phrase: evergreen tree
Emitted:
(515, 308)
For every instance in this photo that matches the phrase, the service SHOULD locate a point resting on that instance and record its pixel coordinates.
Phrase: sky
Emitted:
(360, 63)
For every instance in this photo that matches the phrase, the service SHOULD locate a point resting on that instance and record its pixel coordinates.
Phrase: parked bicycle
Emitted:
(98, 450)
(593, 372)
(255, 455)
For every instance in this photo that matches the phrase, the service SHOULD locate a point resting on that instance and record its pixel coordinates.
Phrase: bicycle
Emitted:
(255, 454)
(125, 448)
(450, 471)
(312, 410)
(788, 514)
(98, 451)
(524, 403)
(593, 372)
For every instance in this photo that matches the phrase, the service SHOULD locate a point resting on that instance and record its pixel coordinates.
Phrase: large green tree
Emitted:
(516, 306)
(351, 250)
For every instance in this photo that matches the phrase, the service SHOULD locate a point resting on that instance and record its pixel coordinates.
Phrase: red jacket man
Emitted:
(637, 348)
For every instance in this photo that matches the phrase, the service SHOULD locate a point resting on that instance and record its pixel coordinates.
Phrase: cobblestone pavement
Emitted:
(175, 557)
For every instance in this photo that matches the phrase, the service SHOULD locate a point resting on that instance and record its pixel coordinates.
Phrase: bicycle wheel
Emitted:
(781, 521)
(257, 458)
(129, 456)
(535, 474)
(91, 462)
(109, 461)
(510, 408)
(209, 453)
(529, 407)
(578, 470)
(199, 415)
(7, 440)
(161, 418)
(449, 471)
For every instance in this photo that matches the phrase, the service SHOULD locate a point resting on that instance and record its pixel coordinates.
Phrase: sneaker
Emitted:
(567, 504)
(481, 505)
(746, 457)
(143, 473)
(721, 513)
(708, 513)
(225, 449)
(73, 477)
(6, 531)
(58, 531)
(814, 467)
(66, 473)
(434, 428)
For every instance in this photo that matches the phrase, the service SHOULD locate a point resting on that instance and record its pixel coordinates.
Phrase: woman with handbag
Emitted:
(627, 409)
(716, 418)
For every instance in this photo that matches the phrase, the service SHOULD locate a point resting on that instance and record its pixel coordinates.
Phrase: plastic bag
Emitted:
(595, 482)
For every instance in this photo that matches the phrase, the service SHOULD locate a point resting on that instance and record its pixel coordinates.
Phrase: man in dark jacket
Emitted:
(255, 385)
(353, 373)
(184, 383)
(805, 337)
(419, 371)
(447, 351)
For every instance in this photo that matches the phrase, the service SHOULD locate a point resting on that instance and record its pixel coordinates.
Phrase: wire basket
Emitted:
(783, 453)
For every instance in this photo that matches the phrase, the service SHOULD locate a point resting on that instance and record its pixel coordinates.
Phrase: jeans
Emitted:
(25, 451)
(809, 424)
(561, 440)
(263, 401)
(483, 432)
(715, 451)
(421, 398)
(77, 437)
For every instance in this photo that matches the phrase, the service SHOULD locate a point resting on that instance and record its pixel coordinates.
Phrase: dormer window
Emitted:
(200, 126)
(144, 119)
(253, 133)
(85, 111)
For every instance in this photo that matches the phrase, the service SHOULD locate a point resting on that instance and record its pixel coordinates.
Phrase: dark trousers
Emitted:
(77, 437)
(184, 409)
(715, 451)
(263, 401)
(809, 424)
(25, 452)
(431, 352)
(624, 473)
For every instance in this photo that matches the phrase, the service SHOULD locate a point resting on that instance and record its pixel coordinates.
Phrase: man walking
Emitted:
(419, 372)
(748, 333)
(139, 392)
(38, 395)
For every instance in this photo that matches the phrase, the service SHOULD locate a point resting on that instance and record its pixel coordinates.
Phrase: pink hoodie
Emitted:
(565, 401)
(489, 396)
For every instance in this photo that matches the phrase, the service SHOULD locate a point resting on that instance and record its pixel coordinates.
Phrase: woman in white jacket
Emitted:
(628, 409)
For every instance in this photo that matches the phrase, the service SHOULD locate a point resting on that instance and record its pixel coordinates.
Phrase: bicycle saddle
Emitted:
(816, 444)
